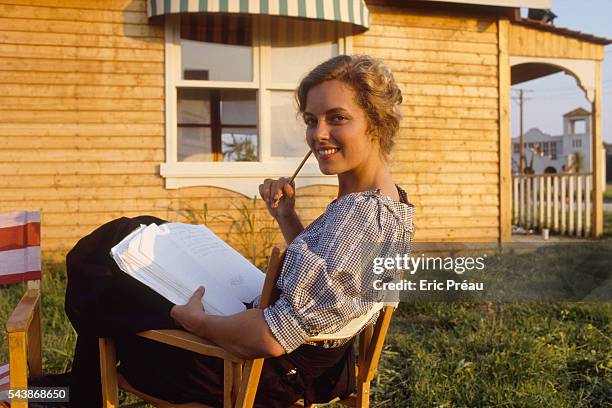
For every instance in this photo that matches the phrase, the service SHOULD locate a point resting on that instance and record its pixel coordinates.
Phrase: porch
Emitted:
(569, 204)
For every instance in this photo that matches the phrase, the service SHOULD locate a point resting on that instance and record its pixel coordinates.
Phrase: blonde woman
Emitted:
(350, 105)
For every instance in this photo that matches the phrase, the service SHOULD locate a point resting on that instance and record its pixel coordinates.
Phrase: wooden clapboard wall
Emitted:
(447, 153)
(82, 124)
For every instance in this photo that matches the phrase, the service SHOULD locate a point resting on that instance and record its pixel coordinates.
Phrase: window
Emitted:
(577, 143)
(553, 150)
(216, 125)
(516, 147)
(230, 115)
(545, 149)
(577, 126)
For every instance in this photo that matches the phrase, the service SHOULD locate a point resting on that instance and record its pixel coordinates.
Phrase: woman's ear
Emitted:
(374, 137)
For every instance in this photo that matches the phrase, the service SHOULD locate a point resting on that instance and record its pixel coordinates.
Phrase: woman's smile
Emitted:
(326, 152)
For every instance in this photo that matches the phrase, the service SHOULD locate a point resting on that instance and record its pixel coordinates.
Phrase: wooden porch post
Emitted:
(597, 164)
(505, 168)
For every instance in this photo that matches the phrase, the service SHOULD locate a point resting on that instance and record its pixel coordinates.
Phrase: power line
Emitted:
(555, 89)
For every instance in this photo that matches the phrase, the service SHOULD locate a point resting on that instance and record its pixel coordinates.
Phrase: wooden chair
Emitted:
(19, 262)
(241, 376)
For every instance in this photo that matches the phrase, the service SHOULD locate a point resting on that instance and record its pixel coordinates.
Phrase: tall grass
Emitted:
(248, 233)
(59, 337)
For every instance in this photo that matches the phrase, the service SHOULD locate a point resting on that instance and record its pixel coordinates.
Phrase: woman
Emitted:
(350, 105)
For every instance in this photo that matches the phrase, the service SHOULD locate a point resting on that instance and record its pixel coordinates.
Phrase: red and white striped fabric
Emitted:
(4, 375)
(19, 246)
(4, 385)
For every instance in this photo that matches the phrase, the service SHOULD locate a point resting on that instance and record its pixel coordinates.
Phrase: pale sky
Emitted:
(554, 95)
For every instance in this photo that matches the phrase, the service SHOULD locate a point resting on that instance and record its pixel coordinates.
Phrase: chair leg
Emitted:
(108, 373)
(363, 394)
(228, 383)
(18, 364)
(237, 373)
(248, 385)
(35, 344)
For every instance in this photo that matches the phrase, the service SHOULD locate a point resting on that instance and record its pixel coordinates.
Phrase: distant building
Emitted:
(557, 152)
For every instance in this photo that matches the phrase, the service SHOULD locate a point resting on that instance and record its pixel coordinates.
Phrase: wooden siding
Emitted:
(82, 129)
(447, 153)
(530, 42)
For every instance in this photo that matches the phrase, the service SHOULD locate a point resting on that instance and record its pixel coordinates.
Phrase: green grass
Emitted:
(608, 193)
(522, 354)
(608, 224)
(58, 336)
(440, 354)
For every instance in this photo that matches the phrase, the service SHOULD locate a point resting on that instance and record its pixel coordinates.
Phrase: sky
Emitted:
(552, 96)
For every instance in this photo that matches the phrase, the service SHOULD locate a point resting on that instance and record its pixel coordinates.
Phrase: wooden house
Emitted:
(123, 107)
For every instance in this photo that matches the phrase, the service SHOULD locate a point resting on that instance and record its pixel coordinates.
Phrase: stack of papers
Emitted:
(174, 259)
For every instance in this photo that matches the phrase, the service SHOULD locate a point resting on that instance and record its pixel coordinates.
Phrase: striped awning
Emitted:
(347, 11)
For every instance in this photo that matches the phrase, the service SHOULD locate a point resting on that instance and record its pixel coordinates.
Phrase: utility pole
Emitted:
(522, 138)
(521, 100)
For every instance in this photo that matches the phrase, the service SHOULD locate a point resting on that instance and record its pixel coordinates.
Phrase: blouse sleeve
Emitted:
(322, 282)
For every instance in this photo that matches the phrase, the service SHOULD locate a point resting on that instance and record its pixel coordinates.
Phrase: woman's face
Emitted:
(337, 130)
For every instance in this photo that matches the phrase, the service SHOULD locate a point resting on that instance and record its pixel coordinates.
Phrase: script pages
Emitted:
(174, 259)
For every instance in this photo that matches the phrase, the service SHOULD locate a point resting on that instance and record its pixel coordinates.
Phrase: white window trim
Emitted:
(242, 177)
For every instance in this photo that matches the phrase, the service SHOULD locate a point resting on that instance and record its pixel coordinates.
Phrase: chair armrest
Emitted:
(24, 312)
(188, 341)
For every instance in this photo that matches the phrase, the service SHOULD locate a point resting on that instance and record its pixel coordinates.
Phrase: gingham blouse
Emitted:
(325, 270)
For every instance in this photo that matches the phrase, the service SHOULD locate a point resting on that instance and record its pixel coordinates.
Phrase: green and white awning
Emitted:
(347, 11)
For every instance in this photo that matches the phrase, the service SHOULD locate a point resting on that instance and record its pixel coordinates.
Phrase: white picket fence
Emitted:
(560, 202)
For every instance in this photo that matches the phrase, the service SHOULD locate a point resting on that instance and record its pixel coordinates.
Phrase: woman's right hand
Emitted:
(279, 196)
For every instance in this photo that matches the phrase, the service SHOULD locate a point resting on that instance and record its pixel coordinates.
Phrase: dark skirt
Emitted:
(102, 301)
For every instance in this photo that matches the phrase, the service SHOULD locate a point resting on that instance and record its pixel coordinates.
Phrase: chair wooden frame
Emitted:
(24, 340)
(23, 329)
(241, 377)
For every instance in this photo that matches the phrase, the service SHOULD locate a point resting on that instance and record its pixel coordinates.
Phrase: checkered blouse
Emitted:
(327, 266)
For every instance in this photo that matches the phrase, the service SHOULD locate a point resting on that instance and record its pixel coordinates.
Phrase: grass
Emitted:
(608, 194)
(608, 224)
(58, 336)
(522, 354)
(440, 354)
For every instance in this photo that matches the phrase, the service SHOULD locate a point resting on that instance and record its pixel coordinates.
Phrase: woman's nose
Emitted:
(320, 131)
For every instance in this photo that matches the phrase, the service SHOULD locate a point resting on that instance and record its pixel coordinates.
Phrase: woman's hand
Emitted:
(279, 196)
(190, 315)
(229, 331)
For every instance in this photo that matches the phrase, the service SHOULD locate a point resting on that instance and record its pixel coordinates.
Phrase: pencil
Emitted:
(295, 173)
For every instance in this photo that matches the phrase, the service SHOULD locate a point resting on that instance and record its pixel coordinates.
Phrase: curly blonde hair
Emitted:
(375, 89)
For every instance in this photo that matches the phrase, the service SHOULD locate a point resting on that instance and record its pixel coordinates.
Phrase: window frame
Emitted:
(243, 177)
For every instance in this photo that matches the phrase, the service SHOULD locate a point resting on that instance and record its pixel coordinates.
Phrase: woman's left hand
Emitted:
(190, 315)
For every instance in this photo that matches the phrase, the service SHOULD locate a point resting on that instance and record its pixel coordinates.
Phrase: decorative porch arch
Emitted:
(583, 71)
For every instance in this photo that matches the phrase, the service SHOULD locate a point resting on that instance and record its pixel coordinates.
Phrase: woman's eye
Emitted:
(310, 121)
(338, 118)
